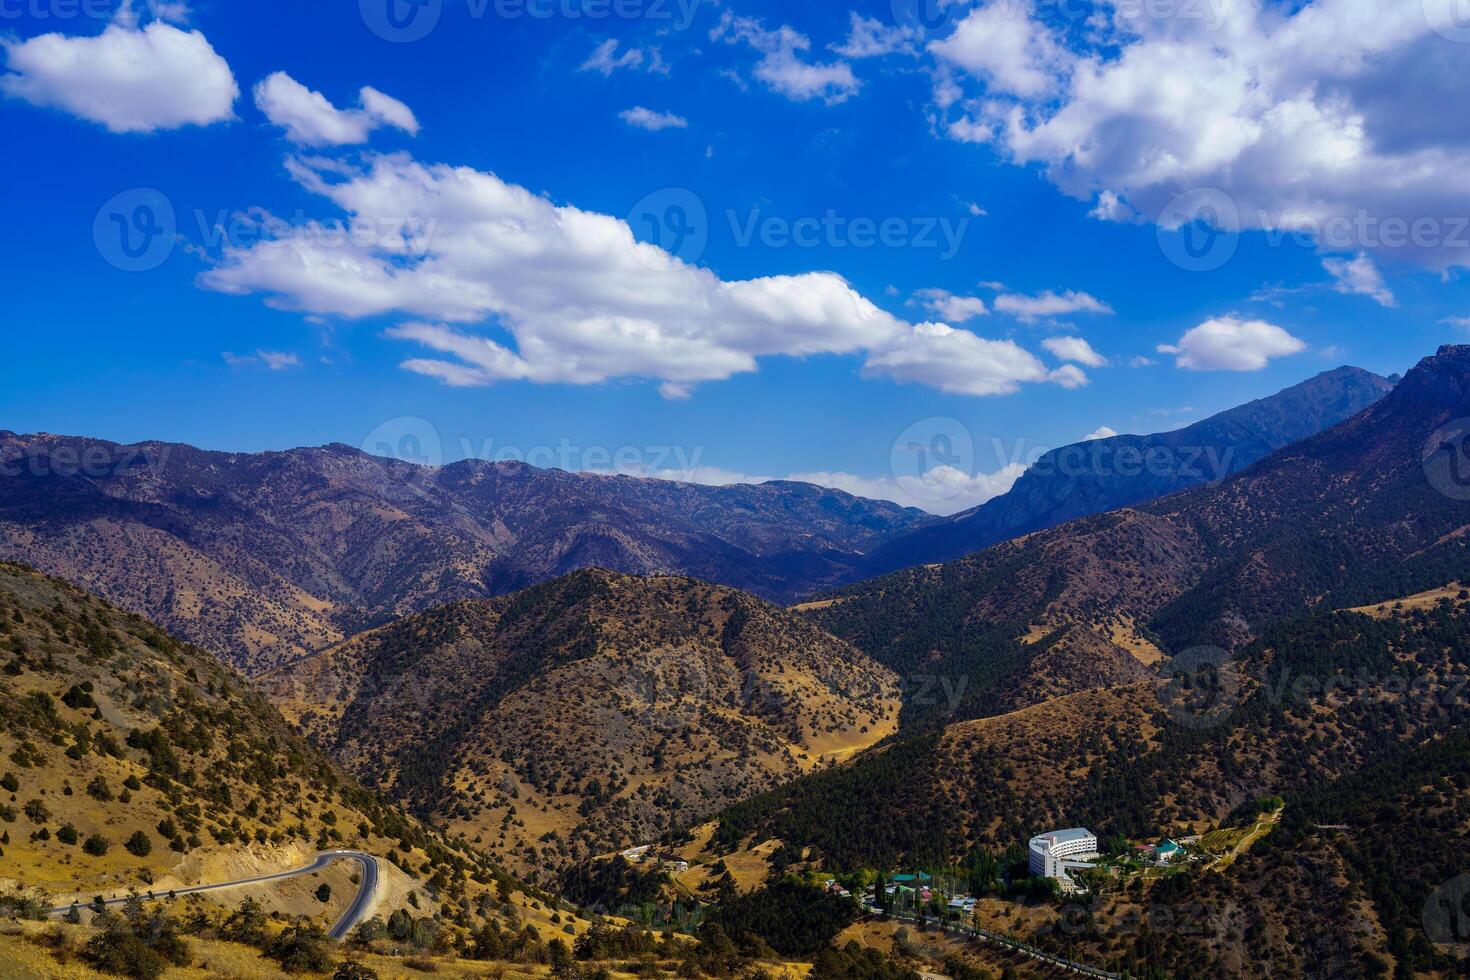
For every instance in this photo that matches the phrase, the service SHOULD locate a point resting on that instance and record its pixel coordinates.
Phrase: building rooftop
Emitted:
(1064, 836)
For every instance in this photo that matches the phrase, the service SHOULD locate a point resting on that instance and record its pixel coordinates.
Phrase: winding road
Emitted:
(355, 913)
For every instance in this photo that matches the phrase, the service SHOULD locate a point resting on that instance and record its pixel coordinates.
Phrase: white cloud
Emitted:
(962, 363)
(498, 284)
(781, 66)
(642, 118)
(605, 58)
(1004, 44)
(1074, 349)
(1461, 322)
(311, 120)
(128, 79)
(1229, 344)
(1307, 116)
(1028, 309)
(1360, 277)
(1139, 361)
(949, 307)
(1068, 376)
(1111, 207)
(270, 359)
(1101, 432)
(869, 37)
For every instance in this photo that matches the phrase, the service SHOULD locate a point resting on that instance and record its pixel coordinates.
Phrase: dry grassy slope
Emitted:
(1345, 517)
(262, 558)
(601, 709)
(1311, 701)
(111, 727)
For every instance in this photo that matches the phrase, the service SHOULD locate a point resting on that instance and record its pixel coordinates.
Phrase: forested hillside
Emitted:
(590, 713)
(1367, 510)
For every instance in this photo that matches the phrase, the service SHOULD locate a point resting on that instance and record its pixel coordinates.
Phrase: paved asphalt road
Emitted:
(349, 920)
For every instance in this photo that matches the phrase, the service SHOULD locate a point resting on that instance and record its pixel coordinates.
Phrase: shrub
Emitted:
(139, 844)
(67, 834)
(117, 951)
(98, 789)
(37, 812)
(324, 892)
(302, 948)
(9, 783)
(353, 970)
(96, 845)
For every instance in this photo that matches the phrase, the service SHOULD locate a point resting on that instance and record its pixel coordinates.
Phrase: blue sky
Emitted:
(981, 201)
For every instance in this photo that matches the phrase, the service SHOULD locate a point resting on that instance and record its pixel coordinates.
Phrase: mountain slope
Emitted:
(129, 760)
(262, 558)
(590, 713)
(1120, 471)
(1358, 718)
(1345, 517)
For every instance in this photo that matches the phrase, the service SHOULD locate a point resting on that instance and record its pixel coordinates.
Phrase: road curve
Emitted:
(355, 913)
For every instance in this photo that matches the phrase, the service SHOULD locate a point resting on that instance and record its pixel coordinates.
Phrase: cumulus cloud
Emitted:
(1029, 309)
(962, 363)
(641, 118)
(1230, 344)
(1101, 432)
(1074, 349)
(949, 307)
(782, 67)
(1332, 118)
(494, 283)
(1360, 277)
(310, 119)
(1006, 45)
(128, 79)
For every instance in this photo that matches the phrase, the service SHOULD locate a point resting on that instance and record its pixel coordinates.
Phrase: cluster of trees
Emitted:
(788, 915)
(140, 943)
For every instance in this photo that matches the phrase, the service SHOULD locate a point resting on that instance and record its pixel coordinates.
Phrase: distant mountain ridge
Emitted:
(1345, 517)
(1120, 471)
(264, 557)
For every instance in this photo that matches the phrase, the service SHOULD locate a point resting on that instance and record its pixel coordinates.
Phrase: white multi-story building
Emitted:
(1054, 854)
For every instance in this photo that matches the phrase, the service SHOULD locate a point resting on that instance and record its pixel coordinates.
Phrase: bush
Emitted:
(139, 845)
(9, 783)
(302, 948)
(116, 951)
(96, 845)
(353, 970)
(67, 834)
(37, 812)
(324, 893)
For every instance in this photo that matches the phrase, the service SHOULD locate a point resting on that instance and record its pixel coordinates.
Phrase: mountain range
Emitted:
(264, 558)
(1119, 471)
(1341, 518)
